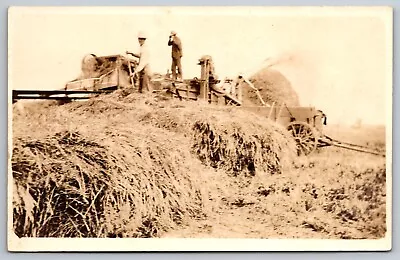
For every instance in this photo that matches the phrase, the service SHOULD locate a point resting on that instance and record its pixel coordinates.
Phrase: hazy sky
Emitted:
(337, 60)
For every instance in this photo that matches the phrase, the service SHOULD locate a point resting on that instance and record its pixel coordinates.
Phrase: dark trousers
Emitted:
(176, 64)
(144, 82)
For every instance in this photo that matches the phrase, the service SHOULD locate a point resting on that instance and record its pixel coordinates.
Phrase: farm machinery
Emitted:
(112, 75)
(305, 124)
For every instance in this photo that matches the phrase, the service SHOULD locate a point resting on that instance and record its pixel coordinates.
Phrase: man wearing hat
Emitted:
(176, 44)
(143, 68)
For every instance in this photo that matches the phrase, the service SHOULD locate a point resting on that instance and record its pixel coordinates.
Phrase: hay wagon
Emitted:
(304, 123)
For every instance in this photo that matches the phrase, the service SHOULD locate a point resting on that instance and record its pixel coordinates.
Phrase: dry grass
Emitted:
(325, 196)
(129, 165)
(333, 196)
(108, 168)
(133, 184)
(227, 138)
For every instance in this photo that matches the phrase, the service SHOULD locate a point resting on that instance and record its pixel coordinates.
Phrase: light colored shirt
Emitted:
(144, 58)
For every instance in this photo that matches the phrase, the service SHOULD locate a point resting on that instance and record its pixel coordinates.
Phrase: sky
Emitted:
(338, 60)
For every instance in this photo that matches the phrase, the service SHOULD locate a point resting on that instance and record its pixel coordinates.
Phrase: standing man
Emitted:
(176, 44)
(143, 68)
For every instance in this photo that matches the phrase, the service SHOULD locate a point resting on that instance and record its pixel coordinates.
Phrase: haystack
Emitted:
(132, 166)
(227, 138)
(127, 184)
(273, 87)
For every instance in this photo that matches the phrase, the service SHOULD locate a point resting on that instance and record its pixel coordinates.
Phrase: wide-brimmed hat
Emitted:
(173, 33)
(142, 35)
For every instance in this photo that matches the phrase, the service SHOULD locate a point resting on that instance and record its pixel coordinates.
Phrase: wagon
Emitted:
(305, 124)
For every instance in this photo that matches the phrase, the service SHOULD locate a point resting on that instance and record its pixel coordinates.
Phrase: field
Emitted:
(129, 165)
(332, 194)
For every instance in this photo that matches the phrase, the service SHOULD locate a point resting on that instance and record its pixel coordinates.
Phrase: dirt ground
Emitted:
(332, 193)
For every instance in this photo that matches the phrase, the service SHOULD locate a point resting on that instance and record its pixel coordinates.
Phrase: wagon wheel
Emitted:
(305, 137)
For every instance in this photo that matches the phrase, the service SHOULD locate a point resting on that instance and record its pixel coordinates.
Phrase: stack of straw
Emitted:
(132, 166)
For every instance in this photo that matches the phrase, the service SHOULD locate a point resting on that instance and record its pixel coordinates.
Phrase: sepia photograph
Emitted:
(200, 128)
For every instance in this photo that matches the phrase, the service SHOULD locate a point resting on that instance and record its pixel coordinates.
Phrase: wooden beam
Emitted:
(50, 97)
(205, 73)
(57, 92)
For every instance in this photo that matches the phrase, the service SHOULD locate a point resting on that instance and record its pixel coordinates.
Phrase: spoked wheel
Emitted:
(305, 137)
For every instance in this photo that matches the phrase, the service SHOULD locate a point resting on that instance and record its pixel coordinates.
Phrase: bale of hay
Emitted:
(273, 87)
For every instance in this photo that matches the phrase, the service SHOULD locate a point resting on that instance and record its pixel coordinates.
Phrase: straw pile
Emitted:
(229, 138)
(226, 138)
(132, 165)
(273, 87)
(131, 187)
